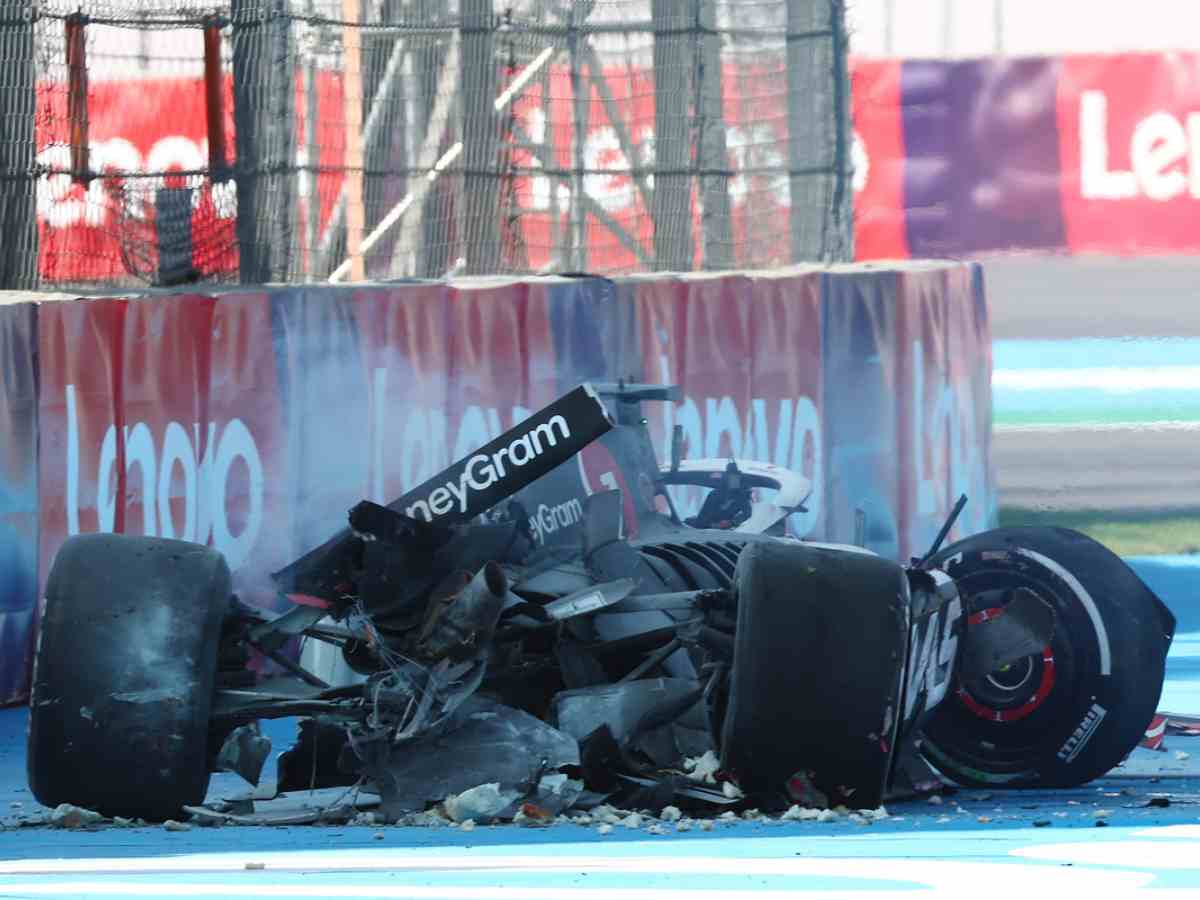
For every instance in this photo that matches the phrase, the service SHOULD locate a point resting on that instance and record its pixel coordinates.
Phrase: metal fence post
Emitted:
(671, 208)
(264, 101)
(385, 155)
(18, 153)
(433, 249)
(821, 218)
(481, 144)
(712, 152)
(577, 250)
(840, 247)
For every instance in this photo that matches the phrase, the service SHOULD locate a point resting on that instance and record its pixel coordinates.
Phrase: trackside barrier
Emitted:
(252, 420)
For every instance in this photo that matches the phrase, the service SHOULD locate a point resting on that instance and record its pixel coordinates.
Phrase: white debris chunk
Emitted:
(728, 816)
(379, 835)
(122, 822)
(656, 829)
(604, 829)
(983, 820)
(943, 820)
(633, 820)
(859, 819)
(525, 820)
(706, 824)
(704, 767)
(751, 814)
(482, 803)
(172, 825)
(732, 791)
(468, 825)
(582, 819)
(1181, 755)
(828, 815)
(683, 825)
(671, 814)
(65, 815)
(606, 814)
(1102, 813)
(427, 819)
(875, 815)
(800, 814)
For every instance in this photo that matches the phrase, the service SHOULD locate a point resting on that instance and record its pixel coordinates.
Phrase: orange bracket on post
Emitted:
(214, 100)
(77, 96)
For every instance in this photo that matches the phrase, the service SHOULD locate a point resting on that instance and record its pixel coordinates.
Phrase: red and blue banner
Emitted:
(19, 499)
(1075, 154)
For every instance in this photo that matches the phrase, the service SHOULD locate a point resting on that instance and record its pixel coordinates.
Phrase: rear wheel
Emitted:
(815, 686)
(124, 675)
(1067, 714)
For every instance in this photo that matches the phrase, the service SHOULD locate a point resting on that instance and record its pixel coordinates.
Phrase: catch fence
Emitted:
(161, 142)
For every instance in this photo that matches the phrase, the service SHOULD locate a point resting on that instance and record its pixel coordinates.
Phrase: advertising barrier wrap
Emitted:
(747, 352)
(18, 496)
(945, 421)
(253, 421)
(864, 403)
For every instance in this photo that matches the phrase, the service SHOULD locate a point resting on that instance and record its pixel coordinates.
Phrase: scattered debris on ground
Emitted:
(67, 816)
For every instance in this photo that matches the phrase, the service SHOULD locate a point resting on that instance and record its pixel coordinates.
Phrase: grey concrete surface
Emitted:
(1119, 469)
(1067, 297)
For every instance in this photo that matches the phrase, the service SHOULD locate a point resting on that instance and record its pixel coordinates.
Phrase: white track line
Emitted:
(927, 871)
(1051, 427)
(1114, 380)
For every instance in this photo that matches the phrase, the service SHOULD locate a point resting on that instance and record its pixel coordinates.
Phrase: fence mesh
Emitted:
(166, 141)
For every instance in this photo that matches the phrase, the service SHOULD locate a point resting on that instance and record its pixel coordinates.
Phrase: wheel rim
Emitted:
(1014, 691)
(997, 723)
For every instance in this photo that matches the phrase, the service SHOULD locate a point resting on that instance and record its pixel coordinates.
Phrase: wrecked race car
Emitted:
(537, 627)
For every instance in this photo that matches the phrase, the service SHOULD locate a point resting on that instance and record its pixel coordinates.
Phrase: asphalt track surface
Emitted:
(1126, 469)
(1126, 460)
(1034, 298)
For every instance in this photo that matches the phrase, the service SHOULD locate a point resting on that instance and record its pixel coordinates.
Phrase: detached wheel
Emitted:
(1068, 714)
(124, 675)
(815, 685)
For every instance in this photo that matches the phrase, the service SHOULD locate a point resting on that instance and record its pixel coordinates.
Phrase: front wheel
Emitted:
(1068, 714)
(124, 675)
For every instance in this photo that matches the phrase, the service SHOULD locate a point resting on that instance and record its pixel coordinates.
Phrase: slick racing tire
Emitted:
(1068, 714)
(124, 674)
(815, 685)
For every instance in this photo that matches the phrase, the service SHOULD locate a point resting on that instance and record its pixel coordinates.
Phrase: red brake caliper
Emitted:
(1035, 700)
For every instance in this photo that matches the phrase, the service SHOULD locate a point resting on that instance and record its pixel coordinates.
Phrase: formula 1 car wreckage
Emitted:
(544, 631)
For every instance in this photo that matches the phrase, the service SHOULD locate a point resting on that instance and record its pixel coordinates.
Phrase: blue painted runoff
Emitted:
(1092, 352)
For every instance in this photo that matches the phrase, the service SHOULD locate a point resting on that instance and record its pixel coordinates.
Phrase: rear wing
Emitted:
(469, 487)
(516, 459)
